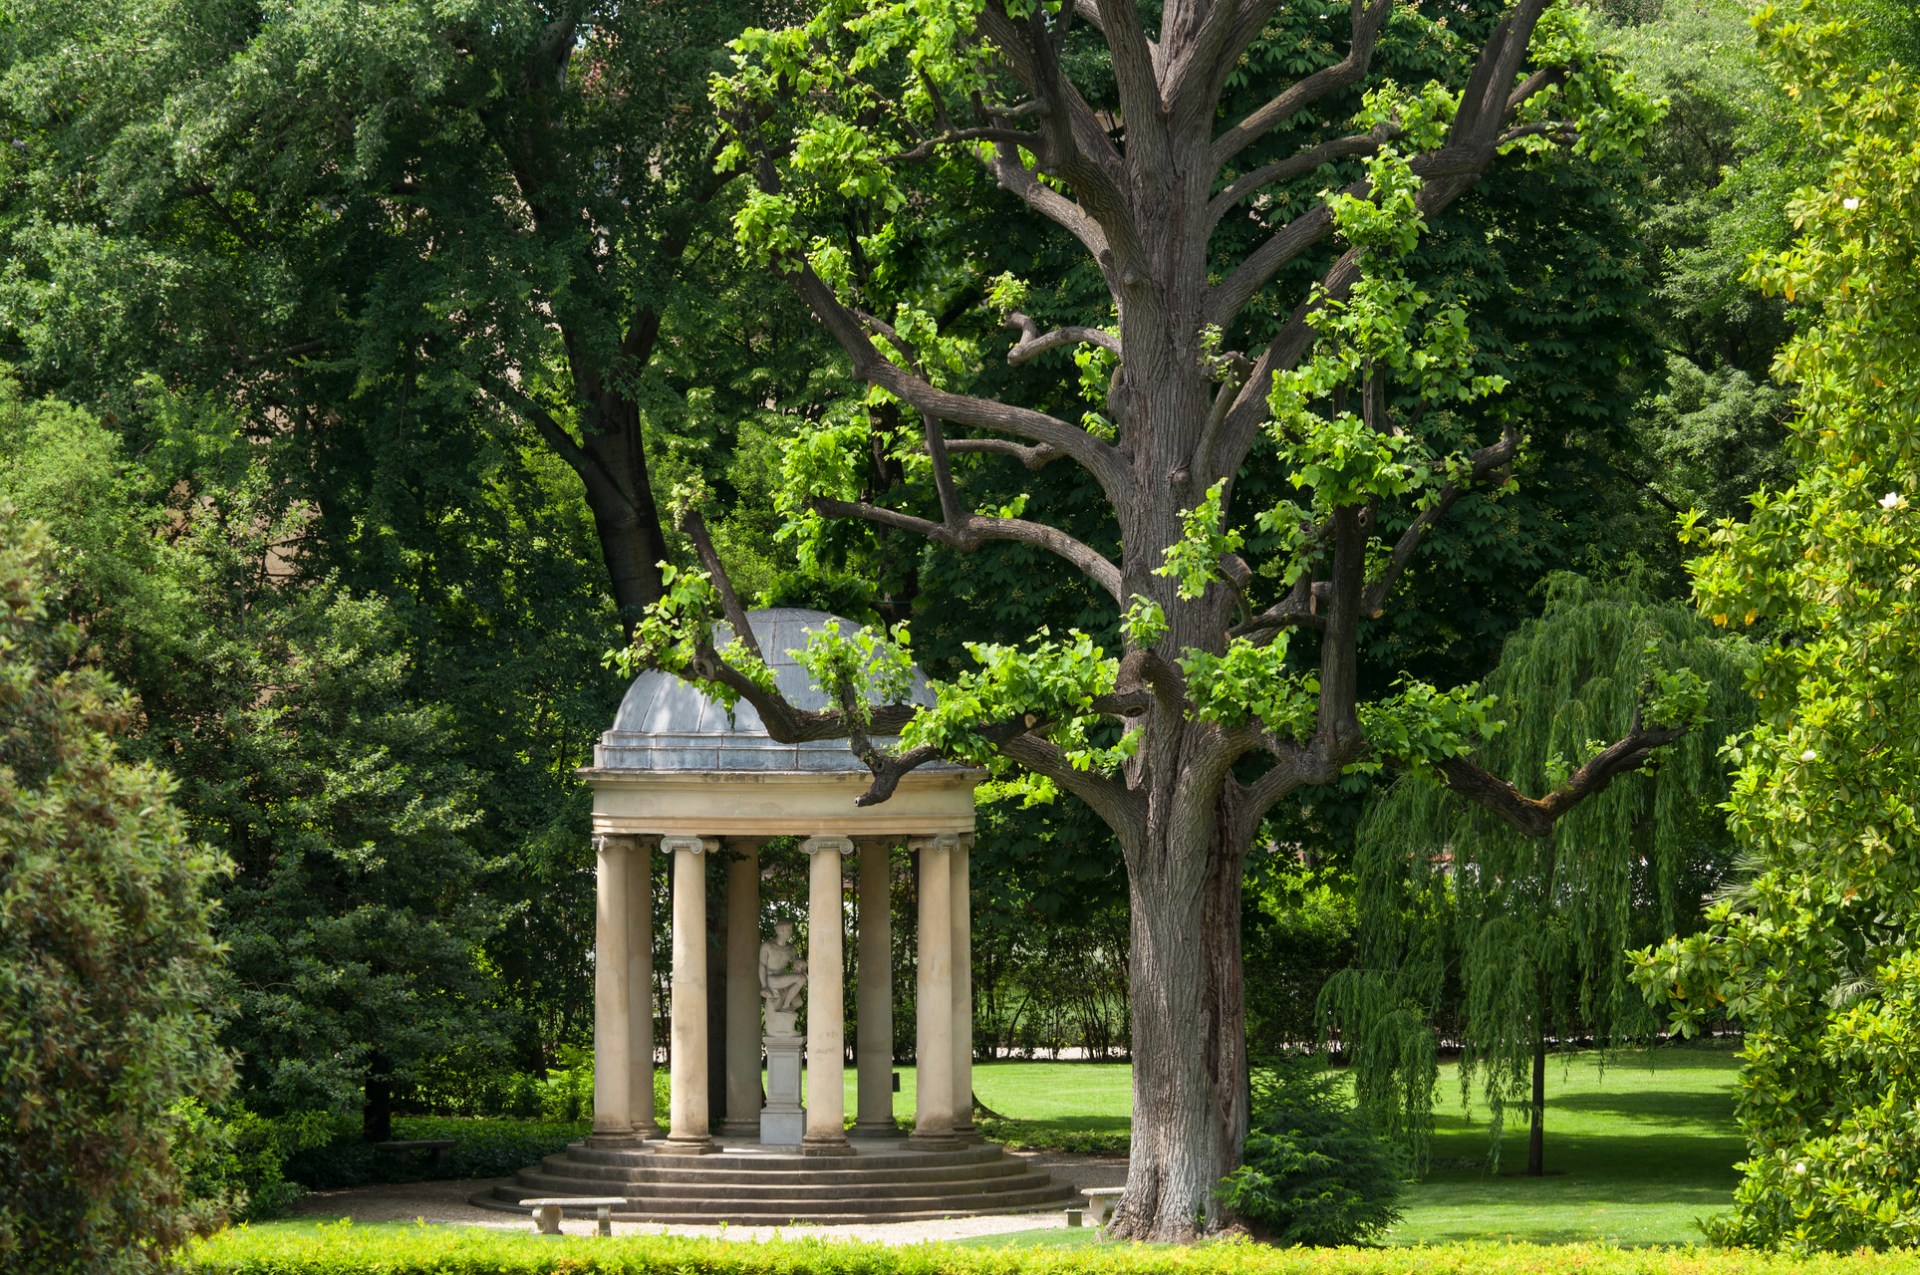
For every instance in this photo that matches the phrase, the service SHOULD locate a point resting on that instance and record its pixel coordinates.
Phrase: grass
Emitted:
(1636, 1151)
(1638, 1148)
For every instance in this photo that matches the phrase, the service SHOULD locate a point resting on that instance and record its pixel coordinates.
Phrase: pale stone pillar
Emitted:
(639, 923)
(688, 1131)
(873, 1044)
(826, 1016)
(962, 987)
(743, 991)
(612, 972)
(933, 983)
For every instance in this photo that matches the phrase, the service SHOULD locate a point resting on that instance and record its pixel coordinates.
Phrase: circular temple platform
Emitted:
(748, 1183)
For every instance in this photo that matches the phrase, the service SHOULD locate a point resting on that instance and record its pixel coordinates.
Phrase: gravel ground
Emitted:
(446, 1202)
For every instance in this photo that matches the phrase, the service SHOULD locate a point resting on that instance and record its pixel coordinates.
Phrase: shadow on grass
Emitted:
(1662, 1108)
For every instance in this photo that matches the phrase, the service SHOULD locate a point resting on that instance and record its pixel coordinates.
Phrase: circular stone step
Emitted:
(744, 1182)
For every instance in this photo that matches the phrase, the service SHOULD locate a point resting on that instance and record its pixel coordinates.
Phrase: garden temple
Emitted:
(679, 776)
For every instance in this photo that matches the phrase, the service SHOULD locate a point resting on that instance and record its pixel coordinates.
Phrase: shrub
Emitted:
(340, 1249)
(481, 1149)
(106, 961)
(235, 1162)
(1314, 1172)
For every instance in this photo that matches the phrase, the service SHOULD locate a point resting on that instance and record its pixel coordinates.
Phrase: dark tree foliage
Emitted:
(354, 912)
(107, 963)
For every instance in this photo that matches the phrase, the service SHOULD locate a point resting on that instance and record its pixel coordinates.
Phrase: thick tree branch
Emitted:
(694, 524)
(1231, 294)
(516, 400)
(1034, 457)
(1481, 466)
(1077, 148)
(1033, 342)
(1298, 610)
(950, 137)
(1535, 816)
(1368, 17)
(1016, 178)
(1294, 165)
(1099, 458)
(973, 530)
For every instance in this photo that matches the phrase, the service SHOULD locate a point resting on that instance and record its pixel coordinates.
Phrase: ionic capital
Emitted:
(690, 845)
(940, 841)
(820, 845)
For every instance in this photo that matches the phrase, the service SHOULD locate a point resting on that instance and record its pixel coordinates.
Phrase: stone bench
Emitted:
(436, 1150)
(1100, 1201)
(547, 1210)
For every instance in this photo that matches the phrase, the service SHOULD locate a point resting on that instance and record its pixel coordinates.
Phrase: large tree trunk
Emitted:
(1190, 1086)
(376, 1116)
(612, 465)
(1537, 1109)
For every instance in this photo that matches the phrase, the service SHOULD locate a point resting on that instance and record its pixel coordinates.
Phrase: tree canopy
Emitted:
(1275, 415)
(1813, 949)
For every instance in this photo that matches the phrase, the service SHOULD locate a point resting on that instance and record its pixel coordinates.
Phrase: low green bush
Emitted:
(234, 1160)
(481, 1149)
(1314, 1172)
(342, 1249)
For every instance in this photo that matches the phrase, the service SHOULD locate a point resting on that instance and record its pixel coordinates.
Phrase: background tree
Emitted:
(1521, 936)
(1815, 953)
(1184, 741)
(107, 965)
(1721, 171)
(459, 277)
(354, 915)
(466, 213)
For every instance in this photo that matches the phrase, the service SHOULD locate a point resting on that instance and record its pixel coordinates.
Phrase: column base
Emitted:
(934, 1142)
(877, 1130)
(825, 1147)
(616, 1139)
(698, 1145)
(968, 1134)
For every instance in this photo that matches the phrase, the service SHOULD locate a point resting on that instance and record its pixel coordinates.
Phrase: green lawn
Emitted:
(1637, 1150)
(1069, 1096)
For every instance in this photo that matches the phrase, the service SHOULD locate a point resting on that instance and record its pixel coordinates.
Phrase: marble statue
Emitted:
(783, 975)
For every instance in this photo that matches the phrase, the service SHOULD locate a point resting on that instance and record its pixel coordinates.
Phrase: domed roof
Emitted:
(666, 724)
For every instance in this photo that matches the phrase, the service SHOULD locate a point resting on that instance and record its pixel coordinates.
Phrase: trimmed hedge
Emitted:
(482, 1148)
(344, 1249)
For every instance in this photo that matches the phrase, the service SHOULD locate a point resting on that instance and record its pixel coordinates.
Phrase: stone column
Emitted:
(873, 1044)
(612, 972)
(743, 991)
(962, 988)
(826, 1017)
(688, 1133)
(933, 995)
(640, 989)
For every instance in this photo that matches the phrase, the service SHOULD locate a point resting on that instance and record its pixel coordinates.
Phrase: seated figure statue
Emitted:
(782, 973)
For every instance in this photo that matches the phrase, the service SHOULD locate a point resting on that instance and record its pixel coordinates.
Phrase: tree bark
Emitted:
(1190, 1081)
(619, 489)
(1537, 1109)
(376, 1117)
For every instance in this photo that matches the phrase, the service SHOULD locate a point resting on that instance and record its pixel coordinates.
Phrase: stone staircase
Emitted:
(746, 1183)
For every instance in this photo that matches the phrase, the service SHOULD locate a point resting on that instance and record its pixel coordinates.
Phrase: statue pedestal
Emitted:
(783, 1121)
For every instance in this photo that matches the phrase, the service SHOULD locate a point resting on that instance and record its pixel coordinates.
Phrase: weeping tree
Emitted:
(1522, 937)
(1277, 420)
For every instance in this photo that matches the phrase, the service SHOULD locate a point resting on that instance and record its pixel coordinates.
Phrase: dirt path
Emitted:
(446, 1202)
